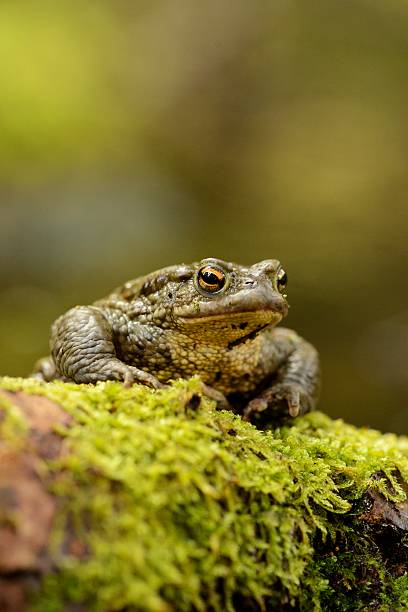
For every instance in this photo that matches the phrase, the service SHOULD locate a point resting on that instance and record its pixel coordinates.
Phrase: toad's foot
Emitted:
(217, 396)
(45, 370)
(131, 375)
(110, 369)
(281, 399)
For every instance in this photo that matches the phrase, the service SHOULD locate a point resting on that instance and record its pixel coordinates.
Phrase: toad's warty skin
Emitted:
(211, 318)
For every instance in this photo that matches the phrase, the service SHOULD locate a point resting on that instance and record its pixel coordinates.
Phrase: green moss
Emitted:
(191, 508)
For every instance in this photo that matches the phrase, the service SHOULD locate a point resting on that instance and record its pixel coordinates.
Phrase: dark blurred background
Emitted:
(137, 135)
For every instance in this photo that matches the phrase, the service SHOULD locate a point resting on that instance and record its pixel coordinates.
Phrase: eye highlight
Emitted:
(211, 279)
(282, 279)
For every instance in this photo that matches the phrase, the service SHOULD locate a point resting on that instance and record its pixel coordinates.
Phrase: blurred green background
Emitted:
(134, 135)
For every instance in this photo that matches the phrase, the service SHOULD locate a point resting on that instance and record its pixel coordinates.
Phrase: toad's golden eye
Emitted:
(282, 279)
(211, 279)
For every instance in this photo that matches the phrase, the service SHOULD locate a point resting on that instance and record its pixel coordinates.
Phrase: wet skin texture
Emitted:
(211, 318)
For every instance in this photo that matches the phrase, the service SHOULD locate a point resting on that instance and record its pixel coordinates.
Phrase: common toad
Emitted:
(211, 318)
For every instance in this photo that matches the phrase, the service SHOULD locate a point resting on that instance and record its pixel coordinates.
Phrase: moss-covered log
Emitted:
(127, 499)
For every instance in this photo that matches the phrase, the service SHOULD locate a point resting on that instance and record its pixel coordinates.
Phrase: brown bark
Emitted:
(27, 508)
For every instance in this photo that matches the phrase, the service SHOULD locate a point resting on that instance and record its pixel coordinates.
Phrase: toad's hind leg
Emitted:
(45, 369)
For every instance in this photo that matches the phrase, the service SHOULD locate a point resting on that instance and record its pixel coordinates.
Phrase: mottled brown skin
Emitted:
(172, 323)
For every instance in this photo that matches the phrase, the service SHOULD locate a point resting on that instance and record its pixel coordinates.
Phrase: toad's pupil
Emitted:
(283, 279)
(210, 278)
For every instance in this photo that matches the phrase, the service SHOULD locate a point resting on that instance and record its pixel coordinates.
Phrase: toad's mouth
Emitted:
(238, 319)
(261, 306)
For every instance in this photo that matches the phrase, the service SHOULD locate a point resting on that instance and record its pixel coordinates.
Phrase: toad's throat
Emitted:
(249, 336)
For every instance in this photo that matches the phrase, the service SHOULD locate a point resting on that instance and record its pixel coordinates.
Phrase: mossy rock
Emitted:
(159, 502)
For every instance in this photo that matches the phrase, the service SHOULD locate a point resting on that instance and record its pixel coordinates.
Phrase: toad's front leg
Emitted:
(296, 382)
(83, 349)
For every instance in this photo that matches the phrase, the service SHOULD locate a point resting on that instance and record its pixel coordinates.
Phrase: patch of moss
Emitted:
(180, 506)
(13, 427)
